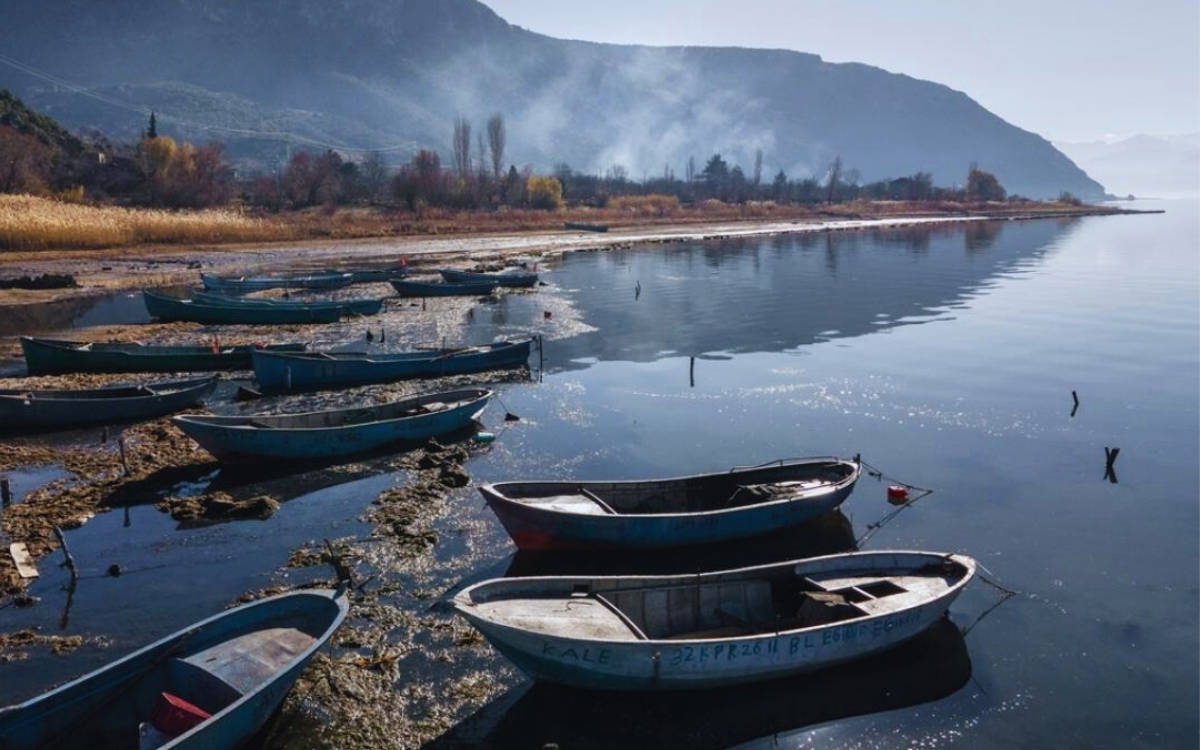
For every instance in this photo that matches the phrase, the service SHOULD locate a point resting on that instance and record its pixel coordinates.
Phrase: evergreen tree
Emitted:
(152, 131)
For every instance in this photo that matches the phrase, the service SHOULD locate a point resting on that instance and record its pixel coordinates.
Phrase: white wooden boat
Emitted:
(714, 629)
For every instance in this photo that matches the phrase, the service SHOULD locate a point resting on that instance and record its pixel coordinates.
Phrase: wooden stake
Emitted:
(68, 561)
(121, 445)
(5, 492)
(692, 372)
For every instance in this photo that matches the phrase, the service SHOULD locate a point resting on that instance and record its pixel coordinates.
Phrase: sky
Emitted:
(1069, 70)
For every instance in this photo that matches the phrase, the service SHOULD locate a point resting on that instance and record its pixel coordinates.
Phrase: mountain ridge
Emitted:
(394, 73)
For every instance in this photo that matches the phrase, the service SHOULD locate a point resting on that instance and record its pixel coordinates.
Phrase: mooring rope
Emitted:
(873, 528)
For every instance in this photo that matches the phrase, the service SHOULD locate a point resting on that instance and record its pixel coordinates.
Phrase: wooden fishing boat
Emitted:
(168, 308)
(236, 667)
(441, 289)
(657, 513)
(713, 629)
(372, 275)
(30, 411)
(339, 432)
(506, 278)
(585, 227)
(244, 284)
(346, 307)
(280, 371)
(50, 357)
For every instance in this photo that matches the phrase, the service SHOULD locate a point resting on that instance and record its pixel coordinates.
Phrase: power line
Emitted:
(276, 135)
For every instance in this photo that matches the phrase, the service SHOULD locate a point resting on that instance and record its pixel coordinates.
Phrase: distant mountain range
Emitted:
(1144, 165)
(392, 74)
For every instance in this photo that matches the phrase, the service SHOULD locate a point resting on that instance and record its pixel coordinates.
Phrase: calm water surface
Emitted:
(945, 357)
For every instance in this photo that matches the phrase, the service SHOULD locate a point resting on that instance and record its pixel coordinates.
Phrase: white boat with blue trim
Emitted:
(714, 629)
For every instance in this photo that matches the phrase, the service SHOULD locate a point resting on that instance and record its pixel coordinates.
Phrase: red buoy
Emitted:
(897, 494)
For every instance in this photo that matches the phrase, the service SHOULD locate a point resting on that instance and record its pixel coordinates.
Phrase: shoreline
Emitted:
(99, 272)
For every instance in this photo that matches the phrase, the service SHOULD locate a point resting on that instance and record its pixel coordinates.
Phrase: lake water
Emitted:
(947, 358)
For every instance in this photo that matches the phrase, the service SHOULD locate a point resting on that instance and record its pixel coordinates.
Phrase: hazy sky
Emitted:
(1070, 70)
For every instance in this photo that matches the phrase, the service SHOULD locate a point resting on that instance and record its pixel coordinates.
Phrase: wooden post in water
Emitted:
(1075, 397)
(692, 372)
(121, 445)
(1110, 458)
(5, 492)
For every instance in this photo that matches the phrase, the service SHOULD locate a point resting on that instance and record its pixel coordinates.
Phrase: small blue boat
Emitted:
(437, 289)
(52, 357)
(244, 284)
(23, 410)
(506, 278)
(659, 513)
(236, 666)
(168, 308)
(372, 275)
(281, 371)
(339, 432)
(346, 307)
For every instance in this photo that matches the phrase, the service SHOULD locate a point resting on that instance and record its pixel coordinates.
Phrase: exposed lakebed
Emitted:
(945, 356)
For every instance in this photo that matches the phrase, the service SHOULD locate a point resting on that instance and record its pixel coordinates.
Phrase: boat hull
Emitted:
(515, 280)
(167, 308)
(233, 442)
(49, 357)
(534, 528)
(44, 411)
(285, 372)
(111, 701)
(433, 289)
(347, 307)
(663, 665)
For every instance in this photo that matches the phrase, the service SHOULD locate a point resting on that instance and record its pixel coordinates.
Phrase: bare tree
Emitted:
(835, 174)
(462, 148)
(496, 138)
(691, 169)
(757, 167)
(374, 176)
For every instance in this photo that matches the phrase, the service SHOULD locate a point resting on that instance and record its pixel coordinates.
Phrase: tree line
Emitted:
(38, 156)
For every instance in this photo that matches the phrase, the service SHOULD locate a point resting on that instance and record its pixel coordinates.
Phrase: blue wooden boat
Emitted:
(24, 410)
(238, 666)
(244, 284)
(372, 275)
(506, 278)
(714, 629)
(167, 308)
(339, 432)
(281, 371)
(346, 307)
(658, 513)
(440, 289)
(51, 357)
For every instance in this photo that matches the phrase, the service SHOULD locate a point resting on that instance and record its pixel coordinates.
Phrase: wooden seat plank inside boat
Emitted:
(218, 675)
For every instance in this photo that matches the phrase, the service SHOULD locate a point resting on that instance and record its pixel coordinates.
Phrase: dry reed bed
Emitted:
(31, 223)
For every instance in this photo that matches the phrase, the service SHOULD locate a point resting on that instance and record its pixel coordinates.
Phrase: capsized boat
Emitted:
(441, 289)
(514, 278)
(24, 410)
(223, 676)
(305, 371)
(657, 513)
(345, 307)
(706, 630)
(167, 308)
(338, 432)
(244, 284)
(51, 357)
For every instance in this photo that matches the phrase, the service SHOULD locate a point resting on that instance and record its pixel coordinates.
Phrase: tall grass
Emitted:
(31, 223)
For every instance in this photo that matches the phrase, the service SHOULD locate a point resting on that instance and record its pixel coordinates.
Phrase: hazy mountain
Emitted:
(1145, 165)
(394, 73)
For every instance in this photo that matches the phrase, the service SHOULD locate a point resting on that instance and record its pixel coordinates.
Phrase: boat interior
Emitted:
(728, 608)
(413, 407)
(132, 391)
(697, 494)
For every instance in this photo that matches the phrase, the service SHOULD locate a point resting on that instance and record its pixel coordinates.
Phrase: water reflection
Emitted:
(930, 667)
(772, 294)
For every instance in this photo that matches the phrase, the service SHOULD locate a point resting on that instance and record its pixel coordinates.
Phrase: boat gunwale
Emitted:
(462, 604)
(228, 421)
(490, 493)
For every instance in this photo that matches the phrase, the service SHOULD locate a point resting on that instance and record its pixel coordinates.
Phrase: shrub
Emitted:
(544, 192)
(655, 204)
